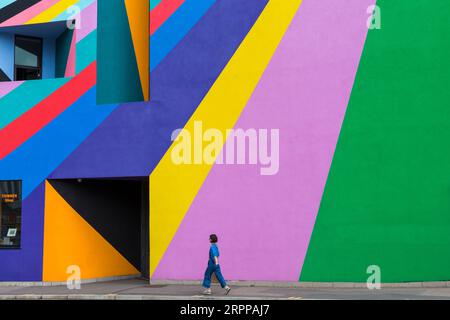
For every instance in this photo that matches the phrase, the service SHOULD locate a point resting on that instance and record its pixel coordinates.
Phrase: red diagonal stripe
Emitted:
(162, 12)
(24, 127)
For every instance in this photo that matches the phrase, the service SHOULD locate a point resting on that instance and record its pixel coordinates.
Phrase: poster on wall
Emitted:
(10, 213)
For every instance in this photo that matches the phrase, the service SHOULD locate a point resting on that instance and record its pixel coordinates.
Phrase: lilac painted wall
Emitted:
(7, 56)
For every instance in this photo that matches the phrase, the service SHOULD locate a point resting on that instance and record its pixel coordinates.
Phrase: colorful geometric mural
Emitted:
(362, 116)
(387, 198)
(122, 51)
(309, 121)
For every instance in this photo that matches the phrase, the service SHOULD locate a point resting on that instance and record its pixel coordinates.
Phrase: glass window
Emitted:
(10, 213)
(28, 58)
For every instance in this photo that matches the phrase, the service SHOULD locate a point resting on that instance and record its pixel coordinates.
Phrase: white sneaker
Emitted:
(227, 290)
(207, 291)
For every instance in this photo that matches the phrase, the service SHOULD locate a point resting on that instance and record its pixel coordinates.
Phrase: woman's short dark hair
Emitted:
(213, 238)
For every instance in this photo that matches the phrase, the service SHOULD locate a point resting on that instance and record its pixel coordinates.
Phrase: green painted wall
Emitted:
(387, 198)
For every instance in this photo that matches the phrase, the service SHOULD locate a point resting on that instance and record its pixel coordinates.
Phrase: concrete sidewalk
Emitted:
(135, 289)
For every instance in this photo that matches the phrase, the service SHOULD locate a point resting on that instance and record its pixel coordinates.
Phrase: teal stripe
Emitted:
(30, 93)
(154, 3)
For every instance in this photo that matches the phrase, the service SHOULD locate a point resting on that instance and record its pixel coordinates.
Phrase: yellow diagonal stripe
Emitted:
(52, 12)
(174, 187)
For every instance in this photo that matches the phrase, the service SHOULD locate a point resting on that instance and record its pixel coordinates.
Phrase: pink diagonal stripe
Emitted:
(264, 223)
(70, 67)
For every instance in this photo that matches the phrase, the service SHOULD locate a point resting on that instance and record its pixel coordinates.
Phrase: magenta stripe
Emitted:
(7, 87)
(264, 223)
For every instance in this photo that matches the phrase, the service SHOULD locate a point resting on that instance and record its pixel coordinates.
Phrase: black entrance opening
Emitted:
(118, 209)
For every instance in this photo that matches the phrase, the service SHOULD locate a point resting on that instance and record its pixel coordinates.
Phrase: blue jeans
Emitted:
(212, 268)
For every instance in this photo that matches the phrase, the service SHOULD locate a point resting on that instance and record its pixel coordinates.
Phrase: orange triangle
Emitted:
(69, 240)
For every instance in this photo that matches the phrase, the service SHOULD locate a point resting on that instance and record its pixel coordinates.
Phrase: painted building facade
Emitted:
(95, 156)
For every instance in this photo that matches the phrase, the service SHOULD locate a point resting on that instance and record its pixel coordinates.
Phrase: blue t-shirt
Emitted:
(213, 252)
